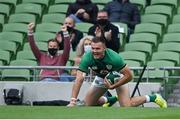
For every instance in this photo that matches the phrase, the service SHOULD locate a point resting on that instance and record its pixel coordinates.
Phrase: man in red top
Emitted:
(52, 57)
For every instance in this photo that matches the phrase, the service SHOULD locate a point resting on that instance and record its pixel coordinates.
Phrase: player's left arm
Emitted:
(127, 76)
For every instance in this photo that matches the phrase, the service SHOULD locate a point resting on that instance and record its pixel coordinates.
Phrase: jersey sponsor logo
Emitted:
(94, 67)
(109, 67)
(104, 72)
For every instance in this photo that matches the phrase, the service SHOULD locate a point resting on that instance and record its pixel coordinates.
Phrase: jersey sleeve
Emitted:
(120, 63)
(85, 63)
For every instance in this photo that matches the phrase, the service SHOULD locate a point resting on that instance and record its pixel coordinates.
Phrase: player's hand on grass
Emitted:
(108, 84)
(72, 102)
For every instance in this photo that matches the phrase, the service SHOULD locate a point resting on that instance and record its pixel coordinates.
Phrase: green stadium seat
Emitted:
(176, 19)
(100, 6)
(159, 9)
(140, 3)
(5, 10)
(43, 36)
(11, 3)
(72, 55)
(172, 3)
(155, 18)
(158, 73)
(144, 37)
(12, 36)
(29, 8)
(178, 10)
(174, 28)
(5, 57)
(2, 21)
(54, 18)
(169, 46)
(16, 75)
(103, 2)
(22, 18)
(64, 1)
(83, 27)
(134, 55)
(139, 46)
(166, 55)
(43, 3)
(23, 63)
(48, 27)
(171, 37)
(15, 27)
(149, 28)
(132, 63)
(1, 63)
(41, 45)
(8, 46)
(58, 8)
(25, 55)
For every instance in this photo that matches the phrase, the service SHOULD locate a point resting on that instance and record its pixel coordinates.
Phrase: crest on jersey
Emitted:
(109, 67)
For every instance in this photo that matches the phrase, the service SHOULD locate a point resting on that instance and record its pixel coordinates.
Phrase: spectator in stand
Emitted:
(83, 47)
(125, 12)
(75, 35)
(52, 57)
(107, 30)
(83, 11)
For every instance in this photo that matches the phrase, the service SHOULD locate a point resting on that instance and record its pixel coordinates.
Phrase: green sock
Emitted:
(152, 98)
(112, 99)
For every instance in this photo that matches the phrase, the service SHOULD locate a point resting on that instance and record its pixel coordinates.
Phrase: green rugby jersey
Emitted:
(112, 61)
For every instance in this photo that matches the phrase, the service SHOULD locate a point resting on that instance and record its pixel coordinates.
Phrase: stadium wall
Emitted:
(45, 91)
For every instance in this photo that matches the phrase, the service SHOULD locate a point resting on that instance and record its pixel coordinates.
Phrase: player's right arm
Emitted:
(76, 88)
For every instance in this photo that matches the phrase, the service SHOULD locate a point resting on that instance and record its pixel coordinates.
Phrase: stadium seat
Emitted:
(41, 45)
(58, 8)
(174, 28)
(11, 3)
(171, 37)
(144, 37)
(16, 75)
(159, 9)
(140, 3)
(15, 27)
(43, 36)
(103, 2)
(178, 10)
(30, 8)
(8, 46)
(48, 27)
(5, 57)
(5, 10)
(155, 18)
(64, 1)
(23, 63)
(139, 46)
(158, 73)
(172, 3)
(22, 18)
(134, 55)
(83, 27)
(12, 36)
(149, 28)
(72, 55)
(166, 55)
(176, 19)
(1, 21)
(169, 46)
(43, 3)
(54, 18)
(25, 55)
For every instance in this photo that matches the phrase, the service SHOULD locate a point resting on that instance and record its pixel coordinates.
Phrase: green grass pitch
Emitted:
(58, 112)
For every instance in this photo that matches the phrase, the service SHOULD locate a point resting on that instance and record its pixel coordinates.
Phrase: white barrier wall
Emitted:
(44, 91)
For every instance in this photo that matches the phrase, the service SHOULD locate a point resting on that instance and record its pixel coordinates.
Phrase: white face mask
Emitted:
(87, 48)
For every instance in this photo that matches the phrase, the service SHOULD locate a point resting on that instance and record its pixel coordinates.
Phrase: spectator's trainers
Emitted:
(160, 101)
(110, 103)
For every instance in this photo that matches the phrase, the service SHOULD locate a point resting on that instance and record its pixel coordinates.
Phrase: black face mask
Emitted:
(70, 29)
(52, 51)
(81, 2)
(119, 1)
(102, 22)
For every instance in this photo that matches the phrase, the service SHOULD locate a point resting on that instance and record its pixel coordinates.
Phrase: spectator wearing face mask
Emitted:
(83, 11)
(83, 47)
(103, 28)
(52, 57)
(75, 35)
